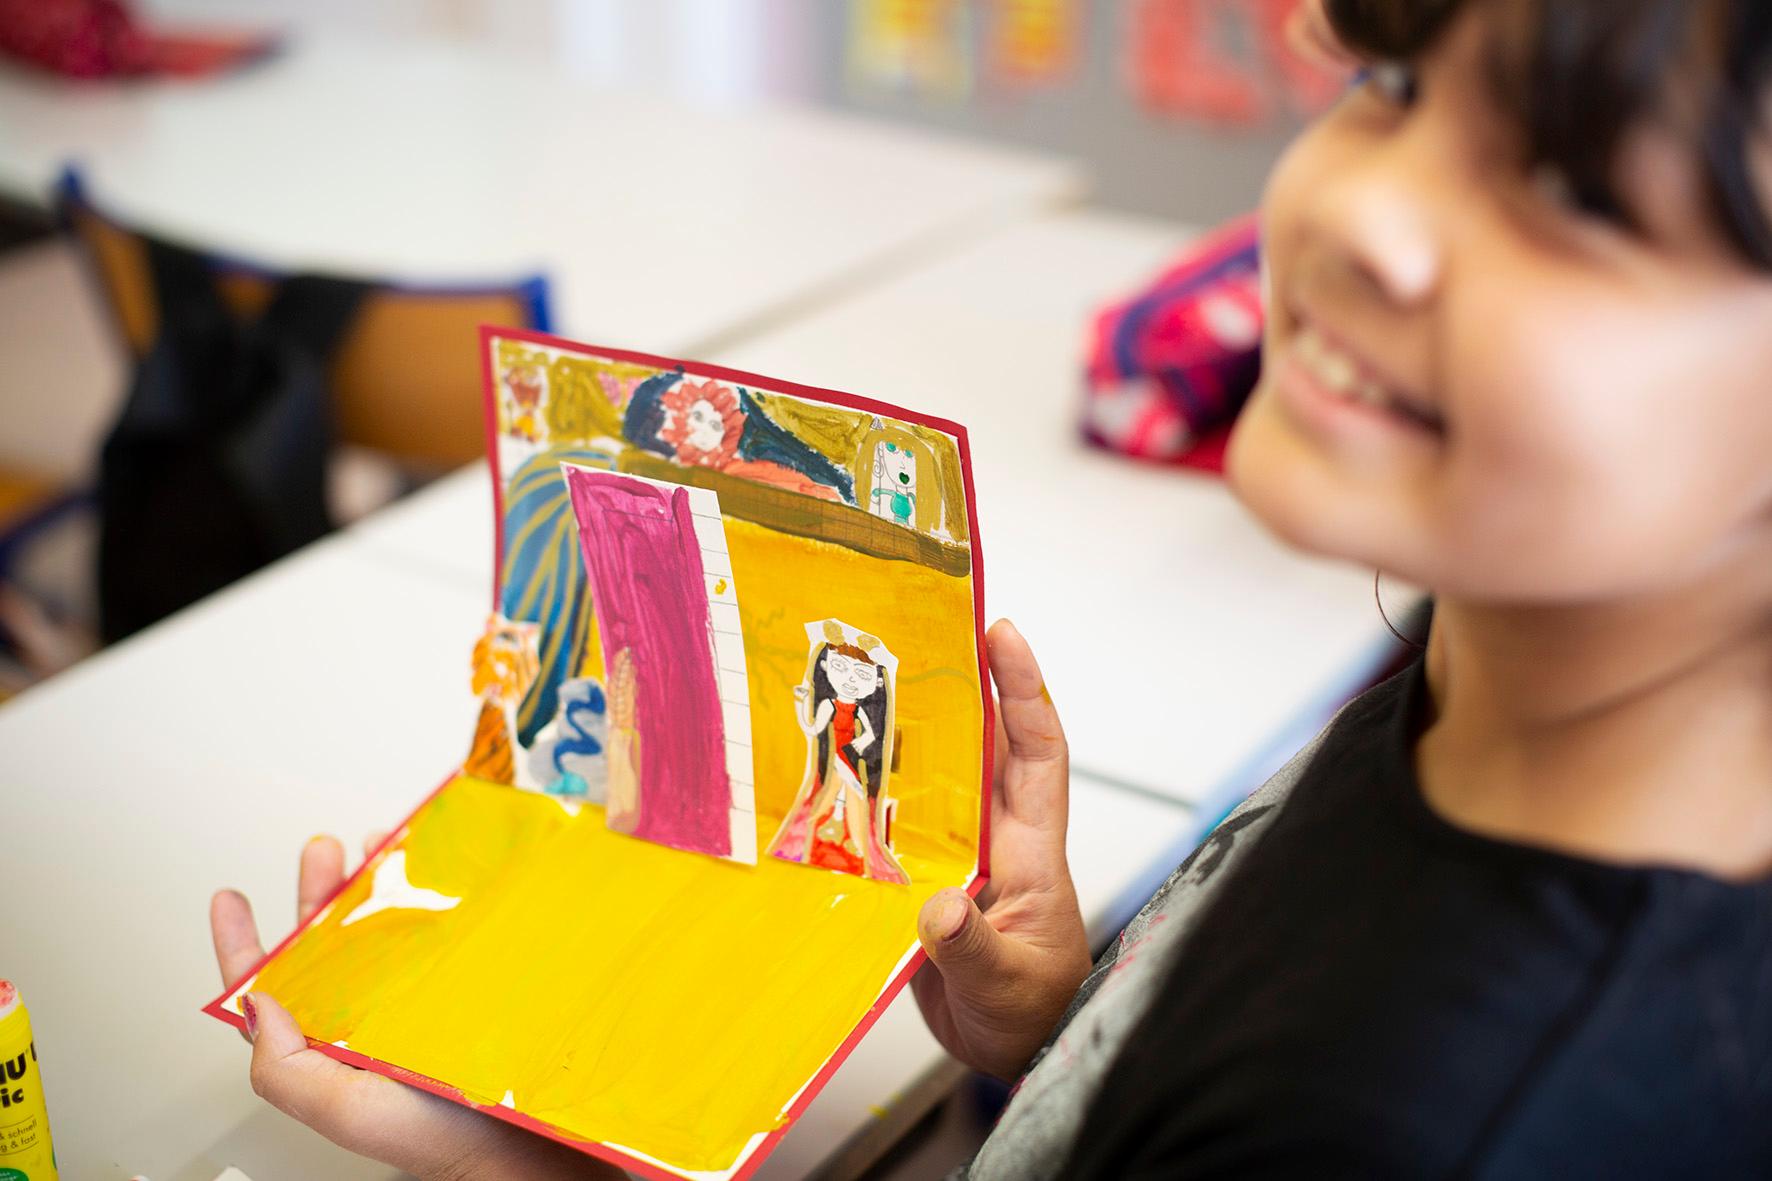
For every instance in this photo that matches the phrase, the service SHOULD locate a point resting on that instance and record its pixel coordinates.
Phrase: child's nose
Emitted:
(1383, 218)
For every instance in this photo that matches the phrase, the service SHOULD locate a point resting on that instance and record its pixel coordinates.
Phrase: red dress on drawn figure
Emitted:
(835, 821)
(828, 830)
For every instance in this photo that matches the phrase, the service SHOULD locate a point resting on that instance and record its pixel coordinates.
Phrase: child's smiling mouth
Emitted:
(1317, 368)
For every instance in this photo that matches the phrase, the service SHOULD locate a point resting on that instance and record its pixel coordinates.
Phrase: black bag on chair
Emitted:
(217, 465)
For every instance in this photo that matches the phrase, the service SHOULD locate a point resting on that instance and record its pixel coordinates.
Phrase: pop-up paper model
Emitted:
(732, 732)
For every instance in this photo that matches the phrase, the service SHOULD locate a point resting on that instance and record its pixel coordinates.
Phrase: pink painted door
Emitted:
(650, 600)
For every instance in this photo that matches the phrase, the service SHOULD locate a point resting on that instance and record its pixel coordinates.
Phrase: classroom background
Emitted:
(1029, 216)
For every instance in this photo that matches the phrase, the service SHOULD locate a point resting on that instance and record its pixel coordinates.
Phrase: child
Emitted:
(1511, 915)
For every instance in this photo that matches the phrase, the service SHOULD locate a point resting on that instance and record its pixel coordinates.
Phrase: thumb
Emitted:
(349, 1107)
(283, 1073)
(960, 942)
(272, 1031)
(356, 1109)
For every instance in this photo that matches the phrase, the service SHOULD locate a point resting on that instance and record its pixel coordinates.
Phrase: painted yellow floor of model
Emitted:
(623, 992)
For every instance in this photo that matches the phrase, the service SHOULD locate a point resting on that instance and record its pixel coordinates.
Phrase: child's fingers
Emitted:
(1001, 992)
(373, 841)
(1032, 736)
(235, 933)
(1030, 720)
(1002, 760)
(322, 869)
(359, 1110)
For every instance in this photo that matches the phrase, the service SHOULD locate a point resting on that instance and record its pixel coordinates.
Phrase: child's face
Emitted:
(706, 429)
(851, 679)
(1568, 410)
(895, 466)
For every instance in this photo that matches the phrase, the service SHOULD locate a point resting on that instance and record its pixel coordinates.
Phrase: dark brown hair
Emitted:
(1577, 75)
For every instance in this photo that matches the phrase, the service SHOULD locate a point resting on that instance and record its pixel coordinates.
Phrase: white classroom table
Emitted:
(662, 227)
(324, 694)
(1189, 652)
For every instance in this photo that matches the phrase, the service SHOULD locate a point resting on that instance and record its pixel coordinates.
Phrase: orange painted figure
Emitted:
(506, 663)
(490, 758)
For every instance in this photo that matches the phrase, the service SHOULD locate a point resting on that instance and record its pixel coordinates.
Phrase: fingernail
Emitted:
(251, 1012)
(950, 917)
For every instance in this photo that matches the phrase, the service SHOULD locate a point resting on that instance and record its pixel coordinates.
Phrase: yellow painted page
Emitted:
(664, 1003)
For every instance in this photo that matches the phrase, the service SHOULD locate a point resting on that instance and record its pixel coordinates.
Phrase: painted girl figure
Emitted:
(839, 818)
(895, 484)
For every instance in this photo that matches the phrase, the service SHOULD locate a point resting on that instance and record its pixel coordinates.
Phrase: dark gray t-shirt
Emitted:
(1374, 993)
(1035, 1133)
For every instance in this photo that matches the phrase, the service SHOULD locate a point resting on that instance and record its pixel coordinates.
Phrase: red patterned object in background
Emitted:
(103, 39)
(1169, 369)
(79, 38)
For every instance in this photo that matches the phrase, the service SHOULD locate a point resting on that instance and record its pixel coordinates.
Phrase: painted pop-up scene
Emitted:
(730, 734)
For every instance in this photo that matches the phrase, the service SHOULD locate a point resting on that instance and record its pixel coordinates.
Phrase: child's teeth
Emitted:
(1309, 347)
(1337, 371)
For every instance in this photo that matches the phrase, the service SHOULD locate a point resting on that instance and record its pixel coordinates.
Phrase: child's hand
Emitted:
(365, 1112)
(998, 981)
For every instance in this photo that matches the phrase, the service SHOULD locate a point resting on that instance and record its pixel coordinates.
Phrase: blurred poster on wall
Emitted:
(1222, 63)
(1033, 43)
(921, 48)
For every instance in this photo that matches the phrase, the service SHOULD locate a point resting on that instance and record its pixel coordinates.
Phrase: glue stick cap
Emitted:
(8, 999)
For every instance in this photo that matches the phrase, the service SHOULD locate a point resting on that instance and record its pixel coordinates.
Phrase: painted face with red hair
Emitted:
(703, 422)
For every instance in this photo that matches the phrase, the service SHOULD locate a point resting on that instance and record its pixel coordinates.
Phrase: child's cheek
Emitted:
(1307, 169)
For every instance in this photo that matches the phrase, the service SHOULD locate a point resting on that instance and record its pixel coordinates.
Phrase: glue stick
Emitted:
(25, 1151)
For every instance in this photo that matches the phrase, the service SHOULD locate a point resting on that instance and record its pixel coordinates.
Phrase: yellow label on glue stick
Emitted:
(25, 1151)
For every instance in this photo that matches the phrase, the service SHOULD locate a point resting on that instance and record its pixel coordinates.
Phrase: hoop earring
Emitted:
(1378, 601)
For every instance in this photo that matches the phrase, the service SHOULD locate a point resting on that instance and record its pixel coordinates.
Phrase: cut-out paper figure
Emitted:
(841, 816)
(505, 664)
(505, 659)
(490, 755)
(622, 812)
(710, 424)
(569, 756)
(894, 495)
